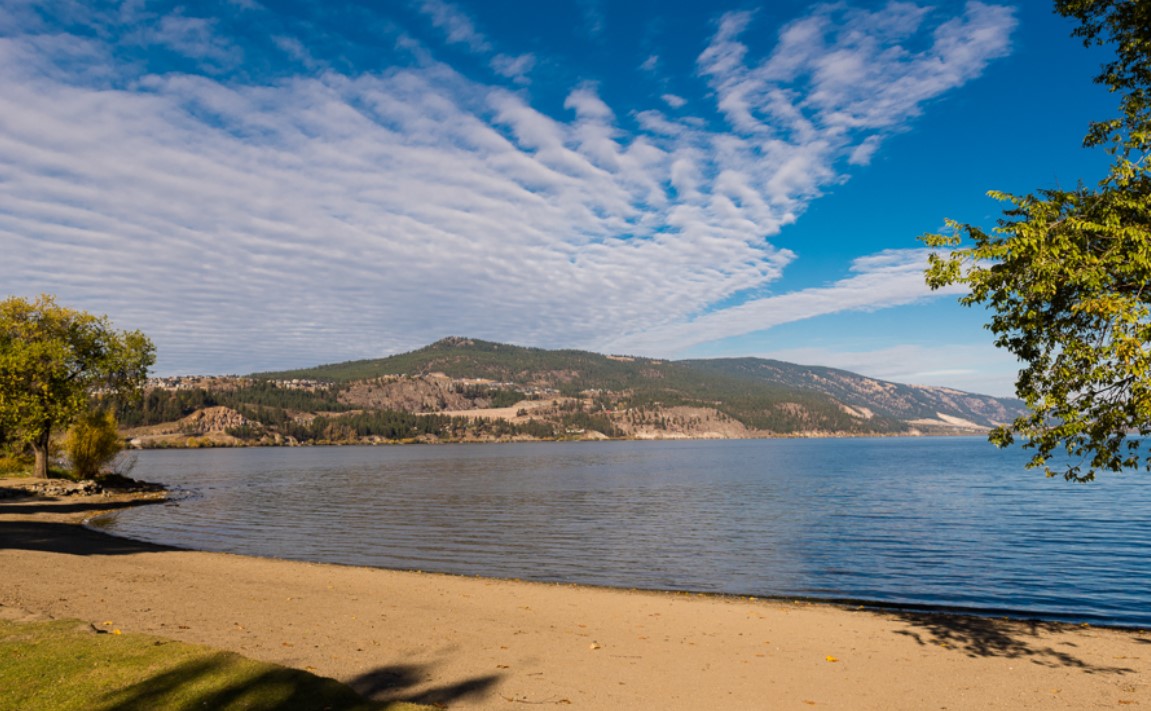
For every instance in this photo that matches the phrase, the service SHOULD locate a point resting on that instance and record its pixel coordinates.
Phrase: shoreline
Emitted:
(476, 643)
(210, 440)
(1069, 621)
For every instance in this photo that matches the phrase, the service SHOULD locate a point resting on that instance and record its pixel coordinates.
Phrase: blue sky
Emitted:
(264, 185)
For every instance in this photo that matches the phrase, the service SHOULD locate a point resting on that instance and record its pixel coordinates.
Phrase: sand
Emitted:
(474, 643)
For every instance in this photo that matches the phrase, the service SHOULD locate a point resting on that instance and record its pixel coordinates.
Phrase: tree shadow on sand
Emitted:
(18, 532)
(212, 684)
(37, 505)
(995, 637)
(68, 538)
(398, 683)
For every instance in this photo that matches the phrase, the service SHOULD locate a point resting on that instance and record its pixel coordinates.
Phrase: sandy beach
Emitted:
(474, 643)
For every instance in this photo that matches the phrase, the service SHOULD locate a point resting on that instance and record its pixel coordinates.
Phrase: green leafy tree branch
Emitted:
(1067, 276)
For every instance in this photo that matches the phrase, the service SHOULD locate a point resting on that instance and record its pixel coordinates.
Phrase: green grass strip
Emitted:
(65, 665)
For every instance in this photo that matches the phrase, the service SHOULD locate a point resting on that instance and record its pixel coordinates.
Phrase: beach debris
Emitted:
(831, 658)
(593, 645)
(57, 487)
(524, 700)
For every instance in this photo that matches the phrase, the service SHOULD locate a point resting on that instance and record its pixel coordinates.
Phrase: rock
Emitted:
(61, 487)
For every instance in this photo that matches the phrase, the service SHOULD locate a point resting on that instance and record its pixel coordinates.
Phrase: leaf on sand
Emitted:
(831, 658)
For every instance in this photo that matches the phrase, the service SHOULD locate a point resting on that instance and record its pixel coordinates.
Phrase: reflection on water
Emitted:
(947, 522)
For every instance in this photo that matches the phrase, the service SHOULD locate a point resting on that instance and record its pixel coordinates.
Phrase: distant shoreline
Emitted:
(207, 442)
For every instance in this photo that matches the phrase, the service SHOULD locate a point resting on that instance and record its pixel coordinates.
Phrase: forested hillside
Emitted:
(460, 389)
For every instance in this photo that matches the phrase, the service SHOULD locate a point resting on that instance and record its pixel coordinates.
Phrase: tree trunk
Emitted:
(40, 447)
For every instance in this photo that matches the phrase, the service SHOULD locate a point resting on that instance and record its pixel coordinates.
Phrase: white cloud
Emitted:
(889, 278)
(194, 37)
(841, 72)
(515, 68)
(676, 102)
(457, 27)
(296, 49)
(321, 218)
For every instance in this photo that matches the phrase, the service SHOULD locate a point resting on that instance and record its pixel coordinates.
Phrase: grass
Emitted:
(66, 665)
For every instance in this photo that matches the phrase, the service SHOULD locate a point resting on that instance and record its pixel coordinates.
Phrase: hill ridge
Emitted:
(764, 394)
(466, 389)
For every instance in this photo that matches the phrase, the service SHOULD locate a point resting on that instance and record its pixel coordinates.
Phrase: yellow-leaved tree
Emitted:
(53, 361)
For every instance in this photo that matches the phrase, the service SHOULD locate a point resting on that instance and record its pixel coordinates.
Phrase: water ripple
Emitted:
(942, 522)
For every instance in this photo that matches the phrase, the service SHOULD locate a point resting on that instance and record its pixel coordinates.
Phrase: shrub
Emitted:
(93, 443)
(13, 465)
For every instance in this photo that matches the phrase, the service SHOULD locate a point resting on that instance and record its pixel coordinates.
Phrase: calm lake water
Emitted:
(941, 522)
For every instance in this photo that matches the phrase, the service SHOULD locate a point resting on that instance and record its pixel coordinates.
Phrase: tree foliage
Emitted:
(1124, 25)
(1067, 276)
(92, 443)
(53, 360)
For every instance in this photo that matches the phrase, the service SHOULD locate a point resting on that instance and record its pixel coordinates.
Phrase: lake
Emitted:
(939, 522)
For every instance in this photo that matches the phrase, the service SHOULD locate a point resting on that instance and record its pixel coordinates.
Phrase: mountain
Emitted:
(754, 396)
(870, 397)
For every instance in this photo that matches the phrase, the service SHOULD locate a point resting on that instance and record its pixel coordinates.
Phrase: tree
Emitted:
(1067, 275)
(1126, 24)
(53, 360)
(92, 442)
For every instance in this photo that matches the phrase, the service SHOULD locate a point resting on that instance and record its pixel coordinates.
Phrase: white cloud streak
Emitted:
(890, 278)
(515, 68)
(457, 27)
(251, 226)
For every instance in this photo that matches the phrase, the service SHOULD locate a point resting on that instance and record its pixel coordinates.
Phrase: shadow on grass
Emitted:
(994, 637)
(212, 684)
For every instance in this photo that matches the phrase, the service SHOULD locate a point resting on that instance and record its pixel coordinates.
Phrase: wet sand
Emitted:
(474, 643)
